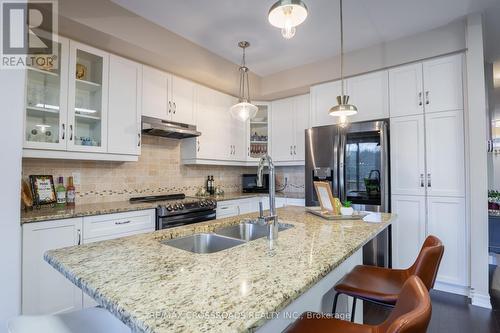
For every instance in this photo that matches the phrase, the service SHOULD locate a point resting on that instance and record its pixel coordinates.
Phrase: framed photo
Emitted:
(43, 190)
(328, 203)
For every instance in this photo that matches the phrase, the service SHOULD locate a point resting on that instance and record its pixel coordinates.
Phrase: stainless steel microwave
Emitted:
(249, 183)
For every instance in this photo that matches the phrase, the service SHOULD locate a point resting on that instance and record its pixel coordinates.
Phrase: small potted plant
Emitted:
(346, 209)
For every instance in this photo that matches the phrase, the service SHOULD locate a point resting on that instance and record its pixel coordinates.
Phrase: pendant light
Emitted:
(286, 15)
(244, 109)
(343, 109)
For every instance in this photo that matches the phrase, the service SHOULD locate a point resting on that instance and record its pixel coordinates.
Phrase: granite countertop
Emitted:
(56, 213)
(157, 288)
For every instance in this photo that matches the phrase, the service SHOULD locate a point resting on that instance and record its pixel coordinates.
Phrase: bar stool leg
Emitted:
(335, 299)
(353, 312)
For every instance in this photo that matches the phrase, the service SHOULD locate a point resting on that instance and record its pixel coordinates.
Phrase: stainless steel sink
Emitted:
(203, 243)
(248, 230)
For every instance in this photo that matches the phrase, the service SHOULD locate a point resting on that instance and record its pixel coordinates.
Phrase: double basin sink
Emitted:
(223, 238)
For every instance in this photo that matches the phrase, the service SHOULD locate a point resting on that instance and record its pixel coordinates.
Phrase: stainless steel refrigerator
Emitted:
(354, 159)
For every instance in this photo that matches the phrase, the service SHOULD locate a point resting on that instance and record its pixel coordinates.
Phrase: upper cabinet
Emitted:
(167, 97)
(289, 120)
(87, 98)
(124, 109)
(370, 94)
(431, 86)
(259, 132)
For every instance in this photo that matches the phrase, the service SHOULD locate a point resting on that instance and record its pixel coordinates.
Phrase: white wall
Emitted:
(477, 157)
(12, 97)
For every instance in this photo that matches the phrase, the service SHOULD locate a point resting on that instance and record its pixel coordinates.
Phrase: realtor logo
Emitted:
(28, 33)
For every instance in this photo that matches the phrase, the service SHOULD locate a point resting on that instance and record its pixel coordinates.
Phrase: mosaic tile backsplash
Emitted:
(158, 171)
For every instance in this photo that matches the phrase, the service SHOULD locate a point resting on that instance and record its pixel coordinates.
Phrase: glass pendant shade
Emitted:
(286, 15)
(343, 108)
(243, 111)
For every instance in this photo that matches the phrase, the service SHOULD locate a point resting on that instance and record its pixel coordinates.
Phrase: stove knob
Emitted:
(176, 207)
(202, 204)
(169, 208)
(181, 206)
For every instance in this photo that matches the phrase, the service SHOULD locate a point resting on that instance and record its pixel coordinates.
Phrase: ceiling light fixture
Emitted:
(343, 109)
(244, 109)
(286, 15)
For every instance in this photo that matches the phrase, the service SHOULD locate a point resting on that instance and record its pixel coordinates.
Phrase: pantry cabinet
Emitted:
(45, 290)
(290, 118)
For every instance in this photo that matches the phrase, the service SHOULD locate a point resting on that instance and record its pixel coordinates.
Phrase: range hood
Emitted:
(168, 129)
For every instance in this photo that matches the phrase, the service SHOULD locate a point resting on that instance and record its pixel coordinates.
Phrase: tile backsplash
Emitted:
(158, 171)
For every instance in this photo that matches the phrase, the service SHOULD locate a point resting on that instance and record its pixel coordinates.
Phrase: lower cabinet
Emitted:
(44, 289)
(444, 217)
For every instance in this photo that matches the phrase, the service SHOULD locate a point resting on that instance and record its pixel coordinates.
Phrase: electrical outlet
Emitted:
(76, 178)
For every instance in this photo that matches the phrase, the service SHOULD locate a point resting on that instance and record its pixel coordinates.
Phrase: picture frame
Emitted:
(43, 189)
(329, 204)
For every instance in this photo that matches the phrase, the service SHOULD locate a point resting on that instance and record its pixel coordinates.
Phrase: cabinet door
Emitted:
(283, 134)
(238, 133)
(405, 90)
(87, 98)
(323, 97)
(155, 93)
(443, 89)
(445, 154)
(124, 110)
(370, 94)
(408, 231)
(301, 123)
(45, 290)
(446, 220)
(182, 100)
(408, 155)
(45, 118)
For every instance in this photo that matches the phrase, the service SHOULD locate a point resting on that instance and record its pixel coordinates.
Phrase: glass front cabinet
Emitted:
(66, 106)
(259, 132)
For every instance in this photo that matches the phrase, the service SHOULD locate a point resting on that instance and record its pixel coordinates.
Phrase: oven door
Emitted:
(184, 219)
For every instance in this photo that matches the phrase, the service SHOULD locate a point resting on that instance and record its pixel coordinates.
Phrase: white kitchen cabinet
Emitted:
(323, 97)
(259, 132)
(45, 290)
(405, 86)
(182, 100)
(443, 87)
(87, 98)
(238, 135)
(445, 153)
(408, 231)
(370, 94)
(289, 121)
(124, 109)
(155, 93)
(408, 155)
(446, 220)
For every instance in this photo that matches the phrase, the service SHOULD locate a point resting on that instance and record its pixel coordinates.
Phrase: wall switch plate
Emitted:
(76, 178)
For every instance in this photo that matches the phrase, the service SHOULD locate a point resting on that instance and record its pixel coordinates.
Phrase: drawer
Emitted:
(227, 210)
(110, 226)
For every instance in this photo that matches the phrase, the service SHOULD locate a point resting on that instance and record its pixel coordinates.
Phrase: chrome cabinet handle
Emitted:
(139, 141)
(294, 149)
(70, 132)
(427, 98)
(248, 151)
(420, 99)
(198, 143)
(291, 150)
(175, 107)
(169, 107)
(429, 184)
(63, 131)
(79, 233)
(422, 180)
(122, 222)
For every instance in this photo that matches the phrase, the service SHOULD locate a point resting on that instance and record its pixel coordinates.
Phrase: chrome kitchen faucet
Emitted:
(272, 218)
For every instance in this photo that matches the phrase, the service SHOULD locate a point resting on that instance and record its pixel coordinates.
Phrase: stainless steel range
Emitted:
(175, 210)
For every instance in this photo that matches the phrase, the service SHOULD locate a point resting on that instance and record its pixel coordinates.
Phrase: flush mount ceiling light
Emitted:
(244, 109)
(286, 15)
(343, 109)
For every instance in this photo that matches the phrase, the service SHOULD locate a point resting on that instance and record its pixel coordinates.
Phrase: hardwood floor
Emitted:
(450, 314)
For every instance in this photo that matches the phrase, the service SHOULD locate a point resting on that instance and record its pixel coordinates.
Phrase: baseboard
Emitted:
(452, 288)
(480, 300)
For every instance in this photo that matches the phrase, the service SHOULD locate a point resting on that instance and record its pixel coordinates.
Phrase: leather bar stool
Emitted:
(383, 285)
(91, 320)
(411, 314)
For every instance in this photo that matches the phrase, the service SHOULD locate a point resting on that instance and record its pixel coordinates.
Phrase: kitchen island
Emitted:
(153, 287)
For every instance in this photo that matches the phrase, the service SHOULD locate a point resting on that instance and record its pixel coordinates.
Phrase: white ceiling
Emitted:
(218, 25)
